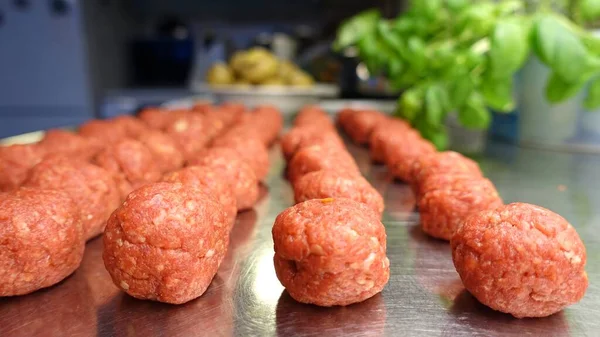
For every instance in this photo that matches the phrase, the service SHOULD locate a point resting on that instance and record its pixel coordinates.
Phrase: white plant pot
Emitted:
(542, 123)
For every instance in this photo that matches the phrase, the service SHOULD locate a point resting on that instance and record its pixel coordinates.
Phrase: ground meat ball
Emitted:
(442, 210)
(360, 125)
(250, 150)
(314, 116)
(330, 252)
(344, 116)
(131, 164)
(134, 127)
(521, 259)
(269, 121)
(70, 144)
(103, 130)
(331, 184)
(383, 135)
(231, 113)
(155, 118)
(439, 181)
(189, 130)
(301, 137)
(239, 174)
(165, 243)
(448, 162)
(92, 188)
(316, 158)
(164, 149)
(210, 181)
(215, 123)
(15, 163)
(401, 157)
(41, 240)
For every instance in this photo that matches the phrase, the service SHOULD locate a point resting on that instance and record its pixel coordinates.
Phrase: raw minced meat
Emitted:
(521, 259)
(330, 252)
(41, 239)
(165, 243)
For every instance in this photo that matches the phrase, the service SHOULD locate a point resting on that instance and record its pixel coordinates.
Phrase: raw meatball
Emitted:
(210, 181)
(331, 184)
(401, 157)
(442, 210)
(250, 150)
(131, 164)
(313, 116)
(301, 137)
(269, 121)
(70, 144)
(15, 163)
(103, 130)
(231, 113)
(521, 259)
(447, 162)
(316, 158)
(164, 150)
(239, 174)
(155, 118)
(165, 243)
(133, 127)
(41, 240)
(330, 252)
(360, 125)
(440, 181)
(92, 188)
(189, 130)
(344, 116)
(383, 136)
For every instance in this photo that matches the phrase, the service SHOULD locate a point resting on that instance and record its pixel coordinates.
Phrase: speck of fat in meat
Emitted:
(181, 125)
(210, 253)
(124, 285)
(369, 260)
(317, 250)
(160, 218)
(190, 205)
(119, 242)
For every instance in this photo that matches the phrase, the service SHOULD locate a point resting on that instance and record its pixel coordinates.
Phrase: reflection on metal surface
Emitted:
(424, 295)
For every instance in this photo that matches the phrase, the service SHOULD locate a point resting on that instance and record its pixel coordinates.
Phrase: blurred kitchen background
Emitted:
(65, 61)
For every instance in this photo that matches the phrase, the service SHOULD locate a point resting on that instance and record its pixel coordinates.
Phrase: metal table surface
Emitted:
(424, 295)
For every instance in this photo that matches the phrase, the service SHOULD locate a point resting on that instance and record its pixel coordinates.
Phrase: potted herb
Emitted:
(458, 59)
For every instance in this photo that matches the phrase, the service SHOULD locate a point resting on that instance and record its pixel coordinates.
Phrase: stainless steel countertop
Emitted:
(424, 295)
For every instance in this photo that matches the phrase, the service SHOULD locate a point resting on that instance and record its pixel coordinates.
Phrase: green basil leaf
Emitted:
(355, 28)
(395, 68)
(460, 89)
(428, 8)
(476, 20)
(509, 47)
(410, 104)
(457, 5)
(474, 114)
(434, 109)
(437, 135)
(498, 93)
(558, 90)
(592, 100)
(560, 48)
(592, 43)
(416, 49)
(589, 9)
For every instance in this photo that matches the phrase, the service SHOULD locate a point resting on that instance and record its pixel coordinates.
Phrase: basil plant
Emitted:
(461, 56)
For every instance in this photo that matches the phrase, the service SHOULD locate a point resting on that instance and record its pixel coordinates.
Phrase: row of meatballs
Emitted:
(330, 248)
(518, 258)
(59, 192)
